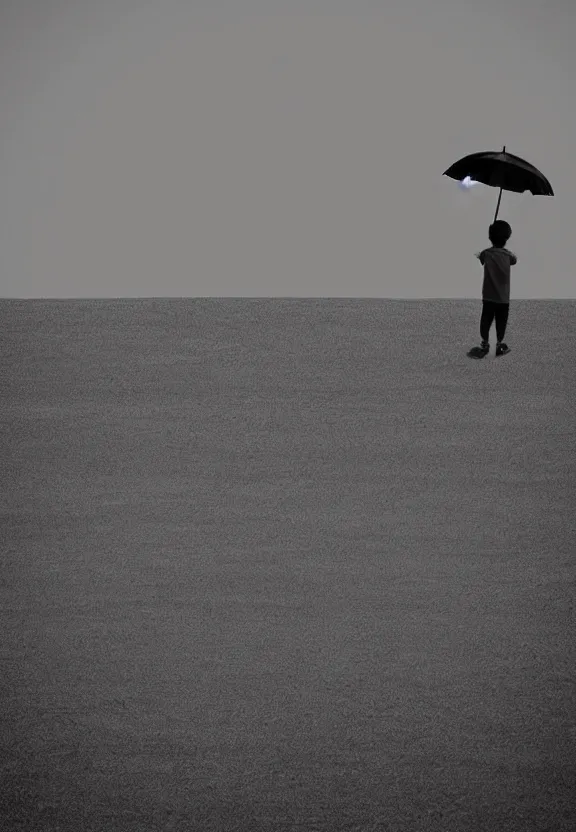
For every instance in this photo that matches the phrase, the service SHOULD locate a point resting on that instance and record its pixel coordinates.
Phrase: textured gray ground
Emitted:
(286, 565)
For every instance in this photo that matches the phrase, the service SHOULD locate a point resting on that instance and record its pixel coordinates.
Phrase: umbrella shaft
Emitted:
(500, 194)
(498, 205)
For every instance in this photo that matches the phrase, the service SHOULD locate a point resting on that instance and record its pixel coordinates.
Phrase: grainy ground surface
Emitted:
(286, 565)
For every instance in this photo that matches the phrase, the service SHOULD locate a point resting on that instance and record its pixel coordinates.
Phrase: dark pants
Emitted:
(491, 310)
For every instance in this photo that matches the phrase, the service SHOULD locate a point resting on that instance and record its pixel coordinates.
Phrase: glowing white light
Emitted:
(467, 183)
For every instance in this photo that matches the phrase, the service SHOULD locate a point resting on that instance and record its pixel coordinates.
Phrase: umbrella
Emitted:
(501, 170)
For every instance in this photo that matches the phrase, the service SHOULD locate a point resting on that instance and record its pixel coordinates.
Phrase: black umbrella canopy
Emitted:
(500, 169)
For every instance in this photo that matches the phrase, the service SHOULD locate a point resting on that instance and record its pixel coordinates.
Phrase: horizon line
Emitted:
(259, 297)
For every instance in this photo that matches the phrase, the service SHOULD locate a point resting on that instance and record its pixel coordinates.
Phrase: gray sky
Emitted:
(269, 148)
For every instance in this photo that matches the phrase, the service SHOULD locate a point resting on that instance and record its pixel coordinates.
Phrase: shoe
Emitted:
(502, 349)
(479, 352)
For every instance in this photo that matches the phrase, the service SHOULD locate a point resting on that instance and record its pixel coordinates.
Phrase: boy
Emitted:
(496, 288)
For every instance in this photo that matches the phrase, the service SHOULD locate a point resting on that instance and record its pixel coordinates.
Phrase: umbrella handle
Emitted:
(498, 205)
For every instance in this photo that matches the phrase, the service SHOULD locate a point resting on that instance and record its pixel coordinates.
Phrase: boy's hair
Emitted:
(499, 233)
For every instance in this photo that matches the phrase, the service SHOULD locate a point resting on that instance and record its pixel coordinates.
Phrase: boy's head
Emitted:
(499, 233)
